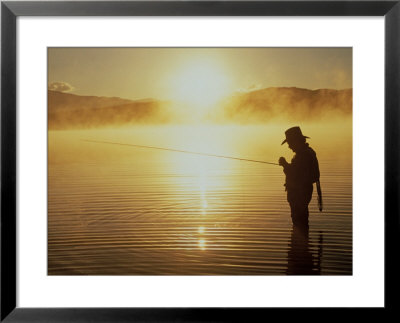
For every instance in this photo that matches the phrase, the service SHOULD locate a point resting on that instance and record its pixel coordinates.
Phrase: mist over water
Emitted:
(269, 105)
(120, 210)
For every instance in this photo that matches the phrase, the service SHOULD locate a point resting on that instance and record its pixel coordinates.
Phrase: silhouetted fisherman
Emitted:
(301, 173)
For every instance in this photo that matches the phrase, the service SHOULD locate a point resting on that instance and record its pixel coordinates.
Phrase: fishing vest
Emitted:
(303, 170)
(314, 169)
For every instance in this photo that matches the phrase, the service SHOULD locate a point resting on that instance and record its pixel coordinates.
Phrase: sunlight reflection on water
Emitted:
(122, 211)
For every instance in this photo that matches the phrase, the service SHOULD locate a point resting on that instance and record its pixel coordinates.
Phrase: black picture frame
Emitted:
(10, 11)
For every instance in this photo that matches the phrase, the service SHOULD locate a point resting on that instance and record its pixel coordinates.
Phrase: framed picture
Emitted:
(197, 161)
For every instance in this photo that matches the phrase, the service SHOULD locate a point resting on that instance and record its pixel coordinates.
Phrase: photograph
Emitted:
(200, 161)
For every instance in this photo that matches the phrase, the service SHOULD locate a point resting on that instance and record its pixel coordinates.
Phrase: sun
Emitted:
(200, 84)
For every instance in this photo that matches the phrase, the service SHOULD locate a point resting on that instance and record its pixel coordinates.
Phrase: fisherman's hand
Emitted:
(282, 161)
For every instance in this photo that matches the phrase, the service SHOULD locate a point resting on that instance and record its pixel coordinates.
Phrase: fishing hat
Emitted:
(293, 134)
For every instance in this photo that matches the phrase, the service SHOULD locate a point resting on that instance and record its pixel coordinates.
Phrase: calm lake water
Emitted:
(120, 210)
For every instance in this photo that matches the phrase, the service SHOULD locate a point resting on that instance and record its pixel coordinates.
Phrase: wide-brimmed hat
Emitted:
(293, 134)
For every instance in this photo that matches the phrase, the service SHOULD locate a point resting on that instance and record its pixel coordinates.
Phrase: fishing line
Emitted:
(203, 154)
(180, 151)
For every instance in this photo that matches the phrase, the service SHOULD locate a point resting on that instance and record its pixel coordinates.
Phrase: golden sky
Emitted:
(180, 73)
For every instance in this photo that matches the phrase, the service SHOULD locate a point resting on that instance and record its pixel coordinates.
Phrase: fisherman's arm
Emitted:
(297, 170)
(286, 166)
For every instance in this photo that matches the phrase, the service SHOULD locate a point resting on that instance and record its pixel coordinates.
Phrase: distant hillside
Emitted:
(60, 100)
(75, 111)
(292, 103)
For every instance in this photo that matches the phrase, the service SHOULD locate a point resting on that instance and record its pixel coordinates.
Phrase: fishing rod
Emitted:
(179, 151)
(202, 154)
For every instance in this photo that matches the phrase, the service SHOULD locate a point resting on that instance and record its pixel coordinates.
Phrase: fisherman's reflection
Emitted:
(300, 258)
